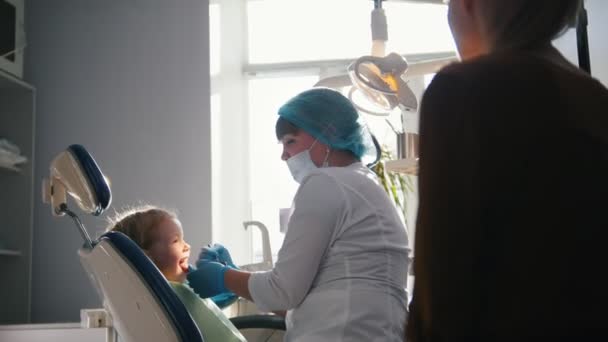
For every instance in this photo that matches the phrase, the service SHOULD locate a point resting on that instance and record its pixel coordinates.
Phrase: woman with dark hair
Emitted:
(513, 182)
(342, 270)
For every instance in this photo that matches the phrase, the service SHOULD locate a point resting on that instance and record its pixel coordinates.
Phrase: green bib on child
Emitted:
(211, 321)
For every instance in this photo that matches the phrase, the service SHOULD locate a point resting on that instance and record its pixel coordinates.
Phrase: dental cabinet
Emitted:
(16, 200)
(64, 332)
(405, 165)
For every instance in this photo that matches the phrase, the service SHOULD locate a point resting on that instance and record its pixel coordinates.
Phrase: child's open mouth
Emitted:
(183, 264)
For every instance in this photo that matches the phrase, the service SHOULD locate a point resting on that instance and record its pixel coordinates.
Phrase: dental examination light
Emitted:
(378, 82)
(74, 172)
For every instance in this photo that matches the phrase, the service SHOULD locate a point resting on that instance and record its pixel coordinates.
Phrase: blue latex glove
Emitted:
(223, 300)
(217, 253)
(207, 280)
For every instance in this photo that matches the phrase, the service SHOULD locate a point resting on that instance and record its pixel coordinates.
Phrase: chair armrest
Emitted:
(259, 322)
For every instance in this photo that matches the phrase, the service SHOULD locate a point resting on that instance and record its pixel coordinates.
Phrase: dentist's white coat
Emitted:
(342, 270)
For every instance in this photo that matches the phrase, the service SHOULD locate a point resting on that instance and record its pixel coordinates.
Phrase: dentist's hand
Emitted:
(208, 279)
(222, 300)
(225, 299)
(217, 253)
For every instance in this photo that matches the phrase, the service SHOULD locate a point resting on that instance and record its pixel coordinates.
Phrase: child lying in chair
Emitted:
(159, 234)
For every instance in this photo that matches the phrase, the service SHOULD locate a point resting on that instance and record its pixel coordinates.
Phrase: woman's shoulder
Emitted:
(340, 176)
(329, 183)
(511, 66)
(321, 181)
(489, 67)
(535, 86)
(495, 76)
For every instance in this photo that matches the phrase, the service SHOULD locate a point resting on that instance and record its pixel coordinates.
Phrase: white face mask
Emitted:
(301, 164)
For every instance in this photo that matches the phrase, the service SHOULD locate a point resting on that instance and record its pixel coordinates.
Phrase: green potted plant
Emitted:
(397, 185)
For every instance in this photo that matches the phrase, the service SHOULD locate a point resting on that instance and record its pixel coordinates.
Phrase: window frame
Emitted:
(232, 80)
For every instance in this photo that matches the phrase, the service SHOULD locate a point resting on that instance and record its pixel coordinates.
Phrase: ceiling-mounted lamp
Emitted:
(378, 80)
(378, 77)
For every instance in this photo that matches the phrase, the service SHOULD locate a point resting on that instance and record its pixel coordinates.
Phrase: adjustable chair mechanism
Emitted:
(142, 304)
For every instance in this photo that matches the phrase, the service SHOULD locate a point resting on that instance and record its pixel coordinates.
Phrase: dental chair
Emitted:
(141, 303)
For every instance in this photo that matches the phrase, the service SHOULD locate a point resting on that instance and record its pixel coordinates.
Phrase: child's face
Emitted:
(169, 251)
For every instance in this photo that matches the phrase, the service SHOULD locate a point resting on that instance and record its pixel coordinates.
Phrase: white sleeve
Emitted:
(317, 209)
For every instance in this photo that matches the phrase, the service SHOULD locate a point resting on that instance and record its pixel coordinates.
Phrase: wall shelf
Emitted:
(9, 169)
(17, 122)
(8, 81)
(407, 166)
(9, 252)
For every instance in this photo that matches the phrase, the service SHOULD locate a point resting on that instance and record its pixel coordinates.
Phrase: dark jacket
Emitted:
(513, 212)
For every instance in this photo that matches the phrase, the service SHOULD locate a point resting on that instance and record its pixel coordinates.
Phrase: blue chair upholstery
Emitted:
(94, 177)
(158, 285)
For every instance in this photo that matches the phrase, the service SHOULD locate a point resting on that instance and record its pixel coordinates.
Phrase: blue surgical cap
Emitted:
(330, 117)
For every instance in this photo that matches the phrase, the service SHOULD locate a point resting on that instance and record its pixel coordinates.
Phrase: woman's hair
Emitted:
(523, 24)
(139, 223)
(284, 127)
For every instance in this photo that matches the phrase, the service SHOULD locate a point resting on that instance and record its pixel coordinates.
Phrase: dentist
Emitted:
(342, 270)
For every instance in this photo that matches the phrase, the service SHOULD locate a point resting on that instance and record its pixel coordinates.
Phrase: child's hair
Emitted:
(139, 223)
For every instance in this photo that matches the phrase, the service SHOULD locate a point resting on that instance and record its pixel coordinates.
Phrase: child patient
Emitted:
(159, 234)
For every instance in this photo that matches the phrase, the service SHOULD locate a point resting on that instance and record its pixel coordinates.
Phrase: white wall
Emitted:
(598, 41)
(597, 11)
(128, 79)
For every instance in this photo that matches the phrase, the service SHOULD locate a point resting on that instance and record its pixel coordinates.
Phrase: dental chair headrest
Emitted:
(75, 172)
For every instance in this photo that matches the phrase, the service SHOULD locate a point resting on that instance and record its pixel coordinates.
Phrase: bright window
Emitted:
(295, 30)
(272, 186)
(290, 42)
(215, 166)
